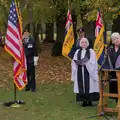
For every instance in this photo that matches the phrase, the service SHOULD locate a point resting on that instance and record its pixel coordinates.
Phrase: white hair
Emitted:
(84, 39)
(115, 35)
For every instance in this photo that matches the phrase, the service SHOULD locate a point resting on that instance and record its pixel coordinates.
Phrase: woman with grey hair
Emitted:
(113, 53)
(113, 61)
(85, 74)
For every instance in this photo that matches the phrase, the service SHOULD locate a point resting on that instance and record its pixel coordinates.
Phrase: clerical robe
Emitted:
(85, 77)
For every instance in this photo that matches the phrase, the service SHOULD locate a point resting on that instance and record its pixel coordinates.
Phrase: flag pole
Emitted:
(15, 93)
(69, 5)
(15, 102)
(105, 30)
(102, 113)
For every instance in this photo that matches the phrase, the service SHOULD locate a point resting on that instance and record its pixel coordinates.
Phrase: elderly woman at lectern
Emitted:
(113, 53)
(113, 60)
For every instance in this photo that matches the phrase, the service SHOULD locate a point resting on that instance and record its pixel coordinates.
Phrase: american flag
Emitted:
(14, 46)
(99, 23)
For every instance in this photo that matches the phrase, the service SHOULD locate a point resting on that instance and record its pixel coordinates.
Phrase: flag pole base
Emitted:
(15, 103)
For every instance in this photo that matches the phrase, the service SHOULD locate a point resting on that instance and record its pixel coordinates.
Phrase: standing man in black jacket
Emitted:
(32, 59)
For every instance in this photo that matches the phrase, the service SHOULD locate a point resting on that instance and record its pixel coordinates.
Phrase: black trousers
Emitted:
(31, 76)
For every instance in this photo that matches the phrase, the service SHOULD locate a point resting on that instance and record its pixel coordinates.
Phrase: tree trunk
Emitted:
(34, 31)
(57, 46)
(74, 18)
(116, 24)
(90, 31)
(49, 32)
(37, 37)
(41, 32)
(26, 28)
(60, 23)
(89, 27)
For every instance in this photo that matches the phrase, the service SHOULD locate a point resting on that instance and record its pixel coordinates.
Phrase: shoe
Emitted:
(84, 104)
(77, 101)
(20, 102)
(27, 89)
(89, 103)
(77, 97)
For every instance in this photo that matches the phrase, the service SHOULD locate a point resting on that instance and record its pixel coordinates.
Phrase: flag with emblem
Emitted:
(99, 41)
(14, 46)
(69, 37)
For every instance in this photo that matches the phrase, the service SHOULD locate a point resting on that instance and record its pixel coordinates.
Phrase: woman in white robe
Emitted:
(85, 74)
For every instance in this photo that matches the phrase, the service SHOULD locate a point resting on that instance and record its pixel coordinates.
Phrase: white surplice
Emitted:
(92, 68)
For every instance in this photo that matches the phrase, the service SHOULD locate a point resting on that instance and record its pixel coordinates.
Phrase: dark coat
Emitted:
(111, 59)
(30, 49)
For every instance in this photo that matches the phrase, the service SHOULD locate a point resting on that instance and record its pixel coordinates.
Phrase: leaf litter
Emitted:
(49, 70)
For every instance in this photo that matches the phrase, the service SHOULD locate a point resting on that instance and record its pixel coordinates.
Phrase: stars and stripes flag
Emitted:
(69, 37)
(14, 46)
(99, 44)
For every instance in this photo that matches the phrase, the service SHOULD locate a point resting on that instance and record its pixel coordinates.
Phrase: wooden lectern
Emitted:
(103, 104)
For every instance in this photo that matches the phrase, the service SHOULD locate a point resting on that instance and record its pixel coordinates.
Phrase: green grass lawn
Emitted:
(50, 102)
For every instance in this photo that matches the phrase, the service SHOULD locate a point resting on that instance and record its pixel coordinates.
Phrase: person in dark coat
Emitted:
(31, 54)
(113, 53)
(113, 61)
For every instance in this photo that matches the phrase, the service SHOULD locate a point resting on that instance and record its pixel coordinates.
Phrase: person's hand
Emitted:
(36, 58)
(85, 59)
(82, 64)
(79, 62)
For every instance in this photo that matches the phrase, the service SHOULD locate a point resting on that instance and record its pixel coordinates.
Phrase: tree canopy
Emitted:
(48, 10)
